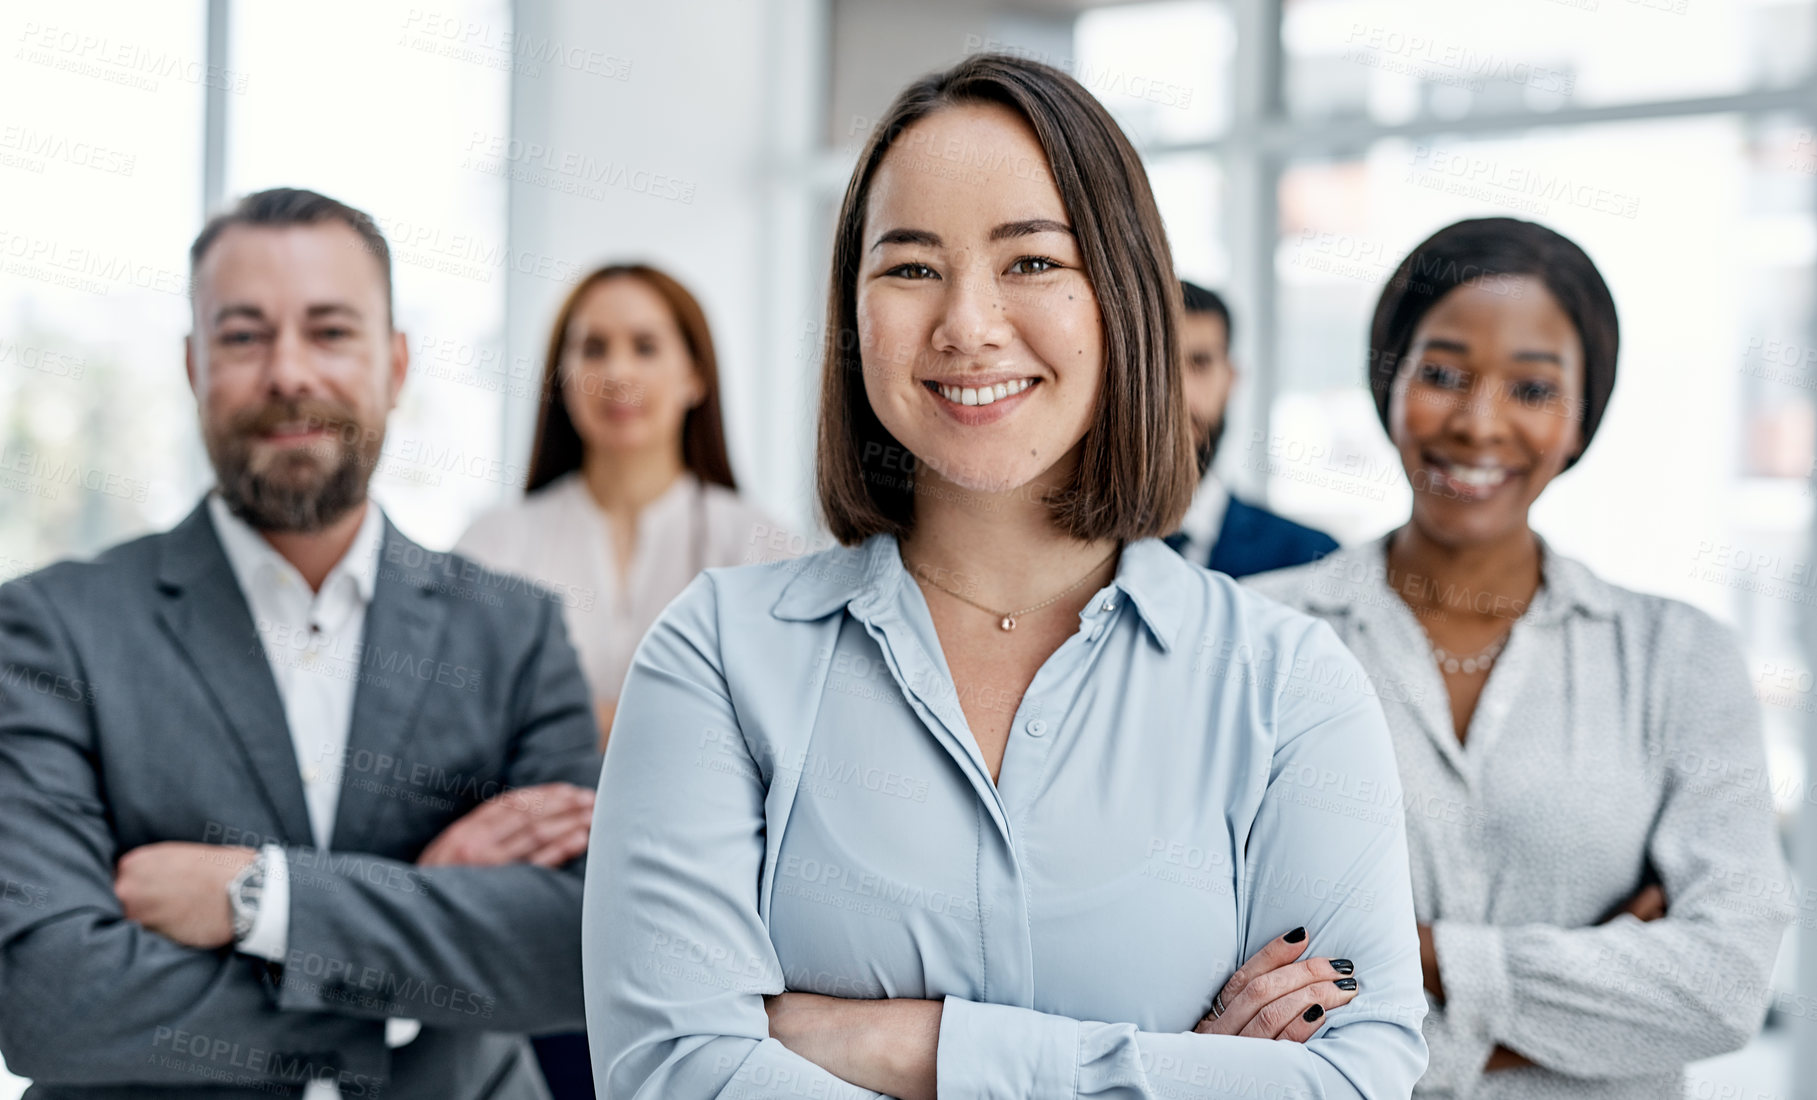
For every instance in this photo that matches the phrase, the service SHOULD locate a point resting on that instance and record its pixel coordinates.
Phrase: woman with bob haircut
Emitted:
(1001, 797)
(1599, 886)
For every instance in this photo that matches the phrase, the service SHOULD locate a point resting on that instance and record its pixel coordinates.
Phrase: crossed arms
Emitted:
(118, 951)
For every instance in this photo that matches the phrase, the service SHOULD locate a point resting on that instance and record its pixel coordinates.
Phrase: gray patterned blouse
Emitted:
(1616, 731)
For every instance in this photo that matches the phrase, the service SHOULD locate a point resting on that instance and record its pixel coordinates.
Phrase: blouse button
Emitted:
(1036, 727)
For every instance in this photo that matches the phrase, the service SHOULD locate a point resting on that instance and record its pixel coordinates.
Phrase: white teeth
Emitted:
(1477, 477)
(984, 395)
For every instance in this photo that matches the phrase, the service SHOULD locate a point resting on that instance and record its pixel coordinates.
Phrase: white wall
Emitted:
(740, 100)
(660, 153)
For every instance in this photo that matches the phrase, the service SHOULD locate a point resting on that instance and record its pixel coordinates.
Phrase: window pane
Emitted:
(100, 166)
(409, 123)
(1398, 60)
(1189, 189)
(1161, 69)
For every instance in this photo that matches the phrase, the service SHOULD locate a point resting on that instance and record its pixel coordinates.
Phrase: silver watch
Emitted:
(243, 895)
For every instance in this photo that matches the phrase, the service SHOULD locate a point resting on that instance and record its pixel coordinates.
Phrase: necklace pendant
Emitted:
(1008, 623)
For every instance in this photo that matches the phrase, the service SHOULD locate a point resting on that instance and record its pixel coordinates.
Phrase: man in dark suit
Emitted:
(288, 805)
(1219, 530)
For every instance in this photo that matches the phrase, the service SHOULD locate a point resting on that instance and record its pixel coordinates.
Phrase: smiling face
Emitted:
(627, 376)
(295, 367)
(978, 328)
(1484, 408)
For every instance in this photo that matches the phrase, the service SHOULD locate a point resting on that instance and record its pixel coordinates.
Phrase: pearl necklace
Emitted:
(1478, 662)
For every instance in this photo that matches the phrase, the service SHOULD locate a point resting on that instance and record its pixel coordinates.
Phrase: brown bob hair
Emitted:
(558, 447)
(1136, 471)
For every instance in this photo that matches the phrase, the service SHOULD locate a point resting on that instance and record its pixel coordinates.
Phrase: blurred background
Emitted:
(1298, 148)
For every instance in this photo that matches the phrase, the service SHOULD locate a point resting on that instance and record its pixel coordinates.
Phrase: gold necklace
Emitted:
(1006, 620)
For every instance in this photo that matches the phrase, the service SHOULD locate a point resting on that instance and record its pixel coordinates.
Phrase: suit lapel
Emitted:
(399, 656)
(206, 615)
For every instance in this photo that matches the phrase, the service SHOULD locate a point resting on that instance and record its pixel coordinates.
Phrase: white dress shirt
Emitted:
(559, 537)
(312, 642)
(1204, 519)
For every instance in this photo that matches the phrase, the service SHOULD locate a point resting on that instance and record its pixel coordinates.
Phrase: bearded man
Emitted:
(1221, 531)
(291, 806)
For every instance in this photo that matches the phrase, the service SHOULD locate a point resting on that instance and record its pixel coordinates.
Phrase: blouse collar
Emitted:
(867, 580)
(1359, 574)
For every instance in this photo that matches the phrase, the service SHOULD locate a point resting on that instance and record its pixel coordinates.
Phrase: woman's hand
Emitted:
(889, 1046)
(1273, 996)
(1648, 903)
(892, 1045)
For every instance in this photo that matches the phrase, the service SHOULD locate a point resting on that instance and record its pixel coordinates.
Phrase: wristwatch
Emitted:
(243, 895)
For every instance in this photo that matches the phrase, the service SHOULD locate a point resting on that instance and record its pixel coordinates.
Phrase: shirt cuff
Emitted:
(400, 1032)
(1473, 969)
(999, 1052)
(269, 937)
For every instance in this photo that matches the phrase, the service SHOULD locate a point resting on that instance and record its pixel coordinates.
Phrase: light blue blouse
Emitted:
(792, 799)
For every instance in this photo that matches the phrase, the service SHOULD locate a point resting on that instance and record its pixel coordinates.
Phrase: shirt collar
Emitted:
(868, 578)
(248, 552)
(1358, 575)
(1205, 515)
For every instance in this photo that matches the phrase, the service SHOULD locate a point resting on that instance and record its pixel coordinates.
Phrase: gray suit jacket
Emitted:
(136, 705)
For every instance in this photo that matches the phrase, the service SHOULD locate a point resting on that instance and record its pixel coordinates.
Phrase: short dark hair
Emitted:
(1201, 300)
(558, 448)
(1492, 253)
(1136, 471)
(279, 207)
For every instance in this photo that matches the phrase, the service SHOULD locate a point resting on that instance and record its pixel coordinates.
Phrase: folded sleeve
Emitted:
(1330, 821)
(1458, 1054)
(676, 959)
(92, 998)
(1627, 997)
(479, 948)
(269, 936)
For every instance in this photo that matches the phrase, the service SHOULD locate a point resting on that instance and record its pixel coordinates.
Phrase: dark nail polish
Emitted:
(1312, 1013)
(1345, 984)
(1343, 966)
(1295, 936)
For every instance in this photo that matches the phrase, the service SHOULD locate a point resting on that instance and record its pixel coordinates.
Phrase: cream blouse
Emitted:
(558, 536)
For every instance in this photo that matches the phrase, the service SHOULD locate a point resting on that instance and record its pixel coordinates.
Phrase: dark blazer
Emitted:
(1255, 540)
(136, 705)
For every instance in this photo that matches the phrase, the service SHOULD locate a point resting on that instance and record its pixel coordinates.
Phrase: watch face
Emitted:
(243, 896)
